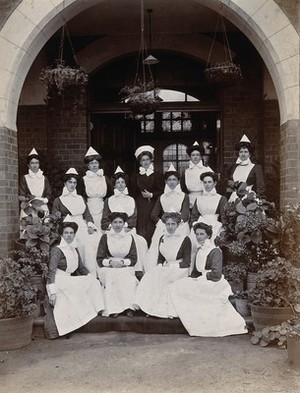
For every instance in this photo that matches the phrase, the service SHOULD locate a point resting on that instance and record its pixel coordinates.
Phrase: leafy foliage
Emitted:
(272, 335)
(224, 74)
(277, 285)
(17, 295)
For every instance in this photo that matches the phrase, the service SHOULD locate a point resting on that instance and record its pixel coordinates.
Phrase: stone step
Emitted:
(139, 324)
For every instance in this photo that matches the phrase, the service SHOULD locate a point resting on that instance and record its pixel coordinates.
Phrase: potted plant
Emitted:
(271, 335)
(235, 274)
(276, 294)
(17, 303)
(241, 299)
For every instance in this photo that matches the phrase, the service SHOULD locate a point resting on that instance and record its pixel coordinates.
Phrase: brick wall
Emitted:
(9, 211)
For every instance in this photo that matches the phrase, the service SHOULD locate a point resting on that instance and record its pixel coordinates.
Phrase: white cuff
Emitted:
(51, 289)
(45, 200)
(91, 225)
(127, 262)
(105, 262)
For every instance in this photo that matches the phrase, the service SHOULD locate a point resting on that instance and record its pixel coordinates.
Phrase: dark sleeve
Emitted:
(183, 185)
(110, 188)
(54, 258)
(260, 181)
(221, 209)
(157, 211)
(102, 251)
(105, 214)
(132, 255)
(185, 253)
(161, 259)
(24, 191)
(82, 270)
(47, 189)
(81, 188)
(214, 263)
(159, 184)
(132, 219)
(56, 206)
(185, 209)
(87, 215)
(195, 213)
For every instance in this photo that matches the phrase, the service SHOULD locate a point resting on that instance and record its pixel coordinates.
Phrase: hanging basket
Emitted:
(223, 74)
(142, 99)
(62, 76)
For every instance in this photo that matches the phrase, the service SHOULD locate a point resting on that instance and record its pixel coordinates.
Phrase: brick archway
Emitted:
(265, 25)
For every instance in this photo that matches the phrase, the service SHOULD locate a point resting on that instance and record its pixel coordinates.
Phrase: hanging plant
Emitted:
(60, 76)
(142, 99)
(225, 72)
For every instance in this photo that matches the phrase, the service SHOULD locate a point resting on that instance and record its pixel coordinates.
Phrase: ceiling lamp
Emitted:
(150, 60)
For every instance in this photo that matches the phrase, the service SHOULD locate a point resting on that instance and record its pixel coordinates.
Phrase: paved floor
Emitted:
(132, 362)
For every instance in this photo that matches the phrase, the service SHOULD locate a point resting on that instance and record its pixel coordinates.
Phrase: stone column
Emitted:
(9, 206)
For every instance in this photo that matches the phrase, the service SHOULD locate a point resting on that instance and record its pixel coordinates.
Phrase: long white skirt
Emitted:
(204, 309)
(152, 294)
(119, 288)
(152, 254)
(78, 300)
(87, 244)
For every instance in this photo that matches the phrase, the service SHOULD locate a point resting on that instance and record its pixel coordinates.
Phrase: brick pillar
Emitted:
(289, 162)
(9, 206)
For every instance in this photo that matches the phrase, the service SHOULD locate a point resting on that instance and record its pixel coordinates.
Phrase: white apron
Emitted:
(96, 190)
(152, 294)
(119, 283)
(87, 243)
(241, 174)
(36, 184)
(78, 298)
(203, 306)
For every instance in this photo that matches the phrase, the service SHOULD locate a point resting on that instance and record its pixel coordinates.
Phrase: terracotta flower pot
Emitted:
(15, 332)
(269, 316)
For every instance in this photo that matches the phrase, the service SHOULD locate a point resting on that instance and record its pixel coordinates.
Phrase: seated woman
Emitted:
(88, 235)
(116, 258)
(173, 263)
(172, 200)
(122, 202)
(75, 299)
(201, 300)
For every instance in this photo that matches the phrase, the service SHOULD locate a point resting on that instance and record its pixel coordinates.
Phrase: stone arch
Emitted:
(265, 25)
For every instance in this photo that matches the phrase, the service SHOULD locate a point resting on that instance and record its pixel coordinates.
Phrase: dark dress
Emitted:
(154, 184)
(254, 179)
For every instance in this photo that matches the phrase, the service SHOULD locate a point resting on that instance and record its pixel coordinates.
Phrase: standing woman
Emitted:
(97, 187)
(71, 203)
(172, 264)
(116, 258)
(75, 299)
(209, 207)
(201, 301)
(244, 170)
(191, 183)
(148, 186)
(34, 185)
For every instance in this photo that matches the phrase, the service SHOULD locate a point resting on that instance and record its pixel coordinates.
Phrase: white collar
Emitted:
(66, 192)
(118, 193)
(93, 174)
(114, 234)
(168, 191)
(37, 175)
(243, 163)
(199, 165)
(209, 193)
(147, 171)
(176, 234)
(67, 246)
(207, 245)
